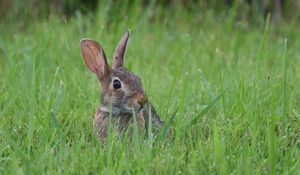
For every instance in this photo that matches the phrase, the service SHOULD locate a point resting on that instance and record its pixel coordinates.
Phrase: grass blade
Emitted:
(206, 109)
(167, 126)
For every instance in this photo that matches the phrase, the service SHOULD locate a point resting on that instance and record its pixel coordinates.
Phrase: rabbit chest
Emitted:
(122, 122)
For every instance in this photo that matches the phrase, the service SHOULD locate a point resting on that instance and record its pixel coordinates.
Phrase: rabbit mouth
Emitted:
(140, 108)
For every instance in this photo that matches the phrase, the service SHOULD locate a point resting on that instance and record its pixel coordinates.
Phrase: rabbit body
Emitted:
(122, 92)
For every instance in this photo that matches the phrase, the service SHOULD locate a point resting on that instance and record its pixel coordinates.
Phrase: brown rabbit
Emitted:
(122, 91)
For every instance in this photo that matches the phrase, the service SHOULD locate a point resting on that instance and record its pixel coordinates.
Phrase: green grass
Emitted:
(232, 89)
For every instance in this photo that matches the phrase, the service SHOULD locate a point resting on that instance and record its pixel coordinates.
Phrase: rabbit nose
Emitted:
(143, 99)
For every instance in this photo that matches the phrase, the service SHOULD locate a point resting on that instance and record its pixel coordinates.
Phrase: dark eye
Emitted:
(116, 84)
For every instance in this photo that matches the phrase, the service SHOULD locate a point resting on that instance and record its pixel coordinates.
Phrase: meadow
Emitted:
(229, 88)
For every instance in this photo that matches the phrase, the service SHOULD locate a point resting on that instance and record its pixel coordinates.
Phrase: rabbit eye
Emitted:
(117, 84)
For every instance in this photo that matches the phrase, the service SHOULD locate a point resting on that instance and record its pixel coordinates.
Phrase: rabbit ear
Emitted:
(119, 55)
(94, 57)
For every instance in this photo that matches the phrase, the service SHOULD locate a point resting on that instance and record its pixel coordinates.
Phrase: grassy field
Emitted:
(232, 88)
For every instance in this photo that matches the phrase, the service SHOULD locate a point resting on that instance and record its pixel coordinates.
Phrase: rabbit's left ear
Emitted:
(119, 55)
(94, 57)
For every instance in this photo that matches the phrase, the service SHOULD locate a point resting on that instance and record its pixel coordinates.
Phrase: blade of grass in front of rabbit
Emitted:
(108, 142)
(135, 131)
(150, 135)
(120, 157)
(149, 126)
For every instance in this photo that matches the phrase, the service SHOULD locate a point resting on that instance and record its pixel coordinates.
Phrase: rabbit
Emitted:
(122, 91)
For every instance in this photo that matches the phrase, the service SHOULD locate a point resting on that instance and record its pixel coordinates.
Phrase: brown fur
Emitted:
(124, 103)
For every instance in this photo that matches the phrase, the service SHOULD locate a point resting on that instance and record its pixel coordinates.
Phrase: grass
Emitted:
(231, 89)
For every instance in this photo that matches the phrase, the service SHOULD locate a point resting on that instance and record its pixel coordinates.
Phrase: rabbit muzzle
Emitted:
(138, 101)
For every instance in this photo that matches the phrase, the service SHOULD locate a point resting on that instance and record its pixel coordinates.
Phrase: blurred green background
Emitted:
(14, 11)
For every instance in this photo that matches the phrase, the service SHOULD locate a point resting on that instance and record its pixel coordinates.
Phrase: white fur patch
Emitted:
(104, 109)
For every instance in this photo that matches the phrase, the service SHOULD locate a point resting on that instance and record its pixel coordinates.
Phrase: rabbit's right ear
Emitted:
(94, 57)
(119, 55)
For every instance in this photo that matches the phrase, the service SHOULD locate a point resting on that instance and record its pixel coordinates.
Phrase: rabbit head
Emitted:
(120, 88)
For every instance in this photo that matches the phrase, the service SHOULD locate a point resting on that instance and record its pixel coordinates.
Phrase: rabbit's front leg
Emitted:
(157, 123)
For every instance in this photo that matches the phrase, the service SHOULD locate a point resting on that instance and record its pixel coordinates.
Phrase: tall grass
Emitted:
(229, 89)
